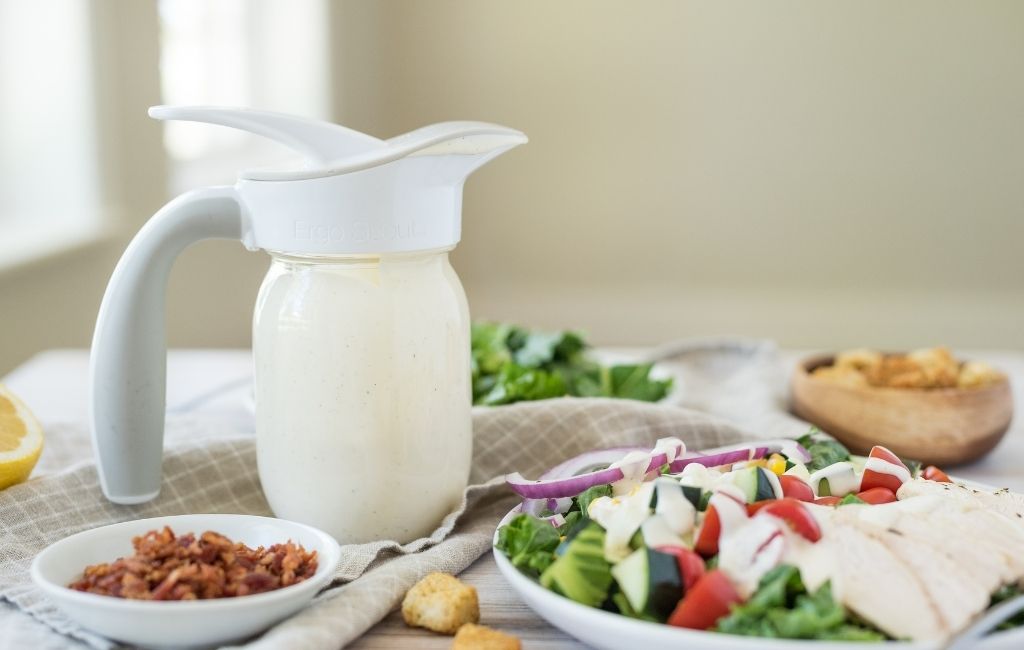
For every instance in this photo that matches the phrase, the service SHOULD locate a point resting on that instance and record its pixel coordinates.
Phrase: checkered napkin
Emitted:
(209, 470)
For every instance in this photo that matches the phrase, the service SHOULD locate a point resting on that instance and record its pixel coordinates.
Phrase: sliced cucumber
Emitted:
(666, 585)
(622, 604)
(637, 540)
(632, 577)
(694, 495)
(581, 572)
(768, 486)
(746, 480)
(650, 581)
(705, 498)
(837, 480)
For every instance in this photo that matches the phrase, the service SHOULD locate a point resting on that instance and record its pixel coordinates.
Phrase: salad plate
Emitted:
(600, 627)
(610, 631)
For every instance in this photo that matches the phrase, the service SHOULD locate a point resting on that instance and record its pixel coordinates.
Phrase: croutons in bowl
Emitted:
(924, 404)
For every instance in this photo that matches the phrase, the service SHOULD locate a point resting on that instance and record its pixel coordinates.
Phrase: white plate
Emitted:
(610, 631)
(179, 624)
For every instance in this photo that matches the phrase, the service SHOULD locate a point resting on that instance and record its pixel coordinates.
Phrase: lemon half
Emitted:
(21, 440)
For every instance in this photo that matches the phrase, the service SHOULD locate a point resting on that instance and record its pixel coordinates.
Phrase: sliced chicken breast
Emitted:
(872, 581)
(1008, 503)
(988, 568)
(955, 590)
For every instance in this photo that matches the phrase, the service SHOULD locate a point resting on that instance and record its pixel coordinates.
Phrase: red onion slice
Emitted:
(720, 458)
(557, 521)
(560, 487)
(733, 453)
(570, 486)
(570, 478)
(536, 506)
(588, 462)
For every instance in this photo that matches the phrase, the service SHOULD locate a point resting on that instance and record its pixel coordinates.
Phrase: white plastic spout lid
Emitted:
(355, 193)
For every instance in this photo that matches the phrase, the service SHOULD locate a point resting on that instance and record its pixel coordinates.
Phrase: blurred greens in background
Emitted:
(513, 364)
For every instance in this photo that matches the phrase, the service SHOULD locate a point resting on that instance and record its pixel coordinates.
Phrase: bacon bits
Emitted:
(167, 567)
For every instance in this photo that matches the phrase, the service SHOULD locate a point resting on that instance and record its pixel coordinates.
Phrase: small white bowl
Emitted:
(179, 624)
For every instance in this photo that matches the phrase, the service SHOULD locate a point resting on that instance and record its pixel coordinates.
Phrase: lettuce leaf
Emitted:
(513, 364)
(529, 544)
(587, 496)
(824, 450)
(783, 608)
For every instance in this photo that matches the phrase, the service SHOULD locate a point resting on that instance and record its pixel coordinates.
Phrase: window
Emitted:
(267, 54)
(49, 178)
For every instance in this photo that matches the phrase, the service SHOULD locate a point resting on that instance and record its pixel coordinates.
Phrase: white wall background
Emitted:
(826, 174)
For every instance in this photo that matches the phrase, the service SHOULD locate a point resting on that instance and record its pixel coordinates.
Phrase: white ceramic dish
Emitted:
(610, 631)
(179, 624)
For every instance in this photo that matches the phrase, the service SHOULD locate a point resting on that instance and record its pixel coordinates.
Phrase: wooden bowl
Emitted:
(945, 426)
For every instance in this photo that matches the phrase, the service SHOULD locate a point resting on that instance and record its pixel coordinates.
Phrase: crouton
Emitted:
(976, 374)
(842, 375)
(479, 637)
(440, 602)
(928, 368)
(860, 359)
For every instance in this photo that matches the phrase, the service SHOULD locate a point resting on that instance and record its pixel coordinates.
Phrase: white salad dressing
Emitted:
(635, 464)
(728, 502)
(751, 549)
(363, 393)
(817, 561)
(882, 466)
(634, 469)
(621, 517)
(657, 532)
(799, 470)
(672, 448)
(842, 479)
(677, 511)
(696, 475)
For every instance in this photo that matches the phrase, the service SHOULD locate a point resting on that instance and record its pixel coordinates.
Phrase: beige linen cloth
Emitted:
(726, 391)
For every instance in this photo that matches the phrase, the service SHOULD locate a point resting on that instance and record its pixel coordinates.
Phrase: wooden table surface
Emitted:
(55, 383)
(500, 608)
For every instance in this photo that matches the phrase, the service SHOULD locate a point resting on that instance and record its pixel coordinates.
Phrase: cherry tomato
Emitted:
(877, 495)
(828, 501)
(873, 479)
(797, 516)
(711, 529)
(933, 473)
(753, 508)
(691, 566)
(709, 600)
(707, 539)
(796, 488)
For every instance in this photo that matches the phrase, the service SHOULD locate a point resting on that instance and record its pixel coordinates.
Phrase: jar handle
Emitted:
(128, 363)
